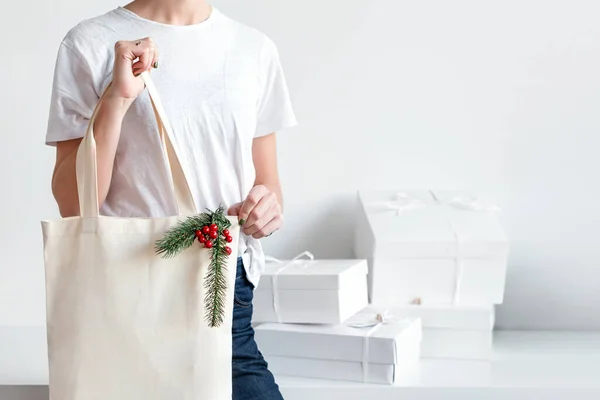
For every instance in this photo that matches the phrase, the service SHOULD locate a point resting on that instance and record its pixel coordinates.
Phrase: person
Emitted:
(224, 90)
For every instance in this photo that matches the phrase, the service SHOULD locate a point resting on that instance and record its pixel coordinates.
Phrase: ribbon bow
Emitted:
(374, 322)
(274, 278)
(469, 203)
(309, 256)
(405, 201)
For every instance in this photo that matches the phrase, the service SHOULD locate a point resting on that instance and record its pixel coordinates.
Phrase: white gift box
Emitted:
(381, 353)
(311, 291)
(452, 332)
(442, 247)
(457, 344)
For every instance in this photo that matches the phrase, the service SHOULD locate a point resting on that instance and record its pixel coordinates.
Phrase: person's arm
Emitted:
(261, 211)
(126, 86)
(264, 156)
(107, 130)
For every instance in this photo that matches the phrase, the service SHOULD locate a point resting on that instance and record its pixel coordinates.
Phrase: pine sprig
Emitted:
(182, 236)
(216, 284)
(216, 280)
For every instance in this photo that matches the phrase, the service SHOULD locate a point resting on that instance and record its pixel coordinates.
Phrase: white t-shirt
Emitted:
(221, 84)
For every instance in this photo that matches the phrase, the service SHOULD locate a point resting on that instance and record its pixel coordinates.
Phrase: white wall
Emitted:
(500, 97)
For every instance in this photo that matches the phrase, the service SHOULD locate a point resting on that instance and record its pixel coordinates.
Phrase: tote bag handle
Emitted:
(87, 167)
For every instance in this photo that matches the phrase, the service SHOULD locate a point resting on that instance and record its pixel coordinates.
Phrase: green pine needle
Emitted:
(182, 236)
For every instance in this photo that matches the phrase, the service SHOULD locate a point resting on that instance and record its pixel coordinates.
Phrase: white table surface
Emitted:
(526, 365)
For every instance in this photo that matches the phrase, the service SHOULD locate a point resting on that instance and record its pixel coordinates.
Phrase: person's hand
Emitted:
(260, 214)
(131, 59)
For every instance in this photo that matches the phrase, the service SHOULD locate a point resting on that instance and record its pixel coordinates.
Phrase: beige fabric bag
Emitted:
(124, 323)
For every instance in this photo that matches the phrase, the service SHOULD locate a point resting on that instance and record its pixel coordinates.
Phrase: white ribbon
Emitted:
(469, 203)
(405, 201)
(374, 322)
(274, 279)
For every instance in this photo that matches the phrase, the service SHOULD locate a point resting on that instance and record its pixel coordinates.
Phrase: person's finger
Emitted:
(234, 210)
(256, 193)
(154, 63)
(150, 60)
(273, 225)
(260, 209)
(131, 50)
(259, 224)
(144, 62)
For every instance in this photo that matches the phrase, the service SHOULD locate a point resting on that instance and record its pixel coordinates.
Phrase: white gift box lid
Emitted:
(433, 225)
(338, 342)
(311, 274)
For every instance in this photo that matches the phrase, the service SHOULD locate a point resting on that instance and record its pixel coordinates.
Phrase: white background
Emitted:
(498, 97)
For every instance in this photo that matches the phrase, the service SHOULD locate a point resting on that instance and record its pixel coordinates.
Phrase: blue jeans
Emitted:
(251, 377)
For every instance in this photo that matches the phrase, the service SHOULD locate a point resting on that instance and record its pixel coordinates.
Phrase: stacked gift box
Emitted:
(440, 256)
(429, 268)
(374, 354)
(304, 290)
(311, 320)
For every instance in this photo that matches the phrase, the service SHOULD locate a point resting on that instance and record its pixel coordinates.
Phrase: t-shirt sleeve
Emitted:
(73, 97)
(274, 106)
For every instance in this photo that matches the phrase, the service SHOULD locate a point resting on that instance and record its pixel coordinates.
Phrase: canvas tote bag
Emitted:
(124, 323)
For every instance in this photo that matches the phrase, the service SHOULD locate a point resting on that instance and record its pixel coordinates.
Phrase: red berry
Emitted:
(202, 239)
(228, 249)
(208, 244)
(229, 239)
(198, 234)
(214, 235)
(225, 232)
(214, 227)
(205, 230)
